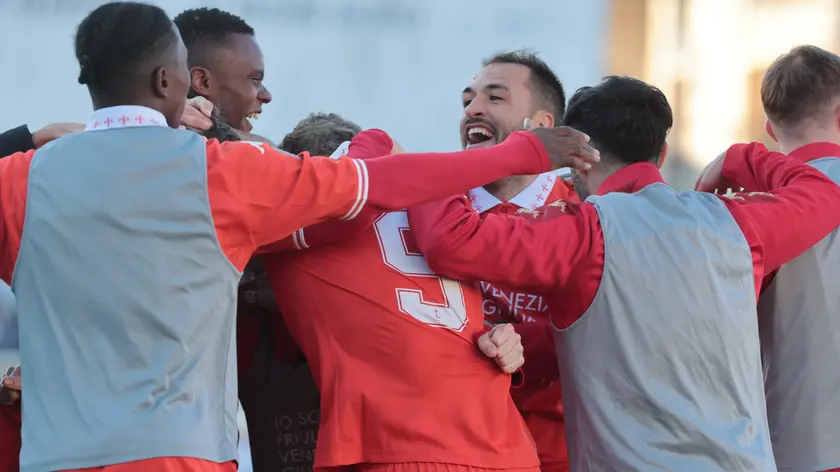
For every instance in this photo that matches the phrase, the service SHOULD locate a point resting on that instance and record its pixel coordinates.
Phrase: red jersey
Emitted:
(539, 402)
(393, 350)
(501, 304)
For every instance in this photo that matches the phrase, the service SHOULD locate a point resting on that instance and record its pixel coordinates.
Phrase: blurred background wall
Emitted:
(709, 57)
(395, 64)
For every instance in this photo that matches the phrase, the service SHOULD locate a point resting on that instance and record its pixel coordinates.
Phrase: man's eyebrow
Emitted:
(486, 87)
(496, 87)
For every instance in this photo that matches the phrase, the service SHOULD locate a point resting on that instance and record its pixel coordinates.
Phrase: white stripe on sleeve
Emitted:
(295, 240)
(362, 193)
(301, 239)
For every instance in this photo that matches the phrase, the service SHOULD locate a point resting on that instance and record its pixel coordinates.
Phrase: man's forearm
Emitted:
(398, 182)
(788, 205)
(16, 140)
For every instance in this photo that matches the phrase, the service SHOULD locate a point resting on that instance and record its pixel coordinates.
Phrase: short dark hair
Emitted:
(320, 134)
(546, 87)
(203, 29)
(118, 36)
(798, 84)
(220, 129)
(625, 118)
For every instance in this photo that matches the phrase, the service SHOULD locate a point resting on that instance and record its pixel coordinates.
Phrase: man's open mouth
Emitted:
(479, 134)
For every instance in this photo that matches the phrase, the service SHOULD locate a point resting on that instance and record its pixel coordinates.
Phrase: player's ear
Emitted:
(201, 81)
(769, 128)
(543, 119)
(662, 155)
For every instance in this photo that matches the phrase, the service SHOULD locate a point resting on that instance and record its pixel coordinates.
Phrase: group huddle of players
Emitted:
(325, 261)
(507, 89)
(322, 286)
(409, 330)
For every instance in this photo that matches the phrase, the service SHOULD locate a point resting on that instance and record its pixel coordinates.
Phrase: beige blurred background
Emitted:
(709, 57)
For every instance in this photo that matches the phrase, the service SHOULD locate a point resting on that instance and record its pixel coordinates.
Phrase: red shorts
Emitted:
(417, 467)
(165, 464)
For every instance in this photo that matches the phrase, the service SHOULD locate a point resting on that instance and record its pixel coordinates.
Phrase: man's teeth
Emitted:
(253, 116)
(481, 131)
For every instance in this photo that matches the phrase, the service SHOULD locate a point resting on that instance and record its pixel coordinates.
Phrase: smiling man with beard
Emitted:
(226, 63)
(510, 88)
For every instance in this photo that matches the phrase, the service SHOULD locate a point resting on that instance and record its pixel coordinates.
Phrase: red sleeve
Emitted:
(260, 195)
(370, 143)
(322, 234)
(538, 251)
(10, 438)
(401, 181)
(787, 207)
(365, 145)
(14, 174)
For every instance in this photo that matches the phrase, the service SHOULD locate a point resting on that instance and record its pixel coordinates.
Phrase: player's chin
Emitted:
(245, 125)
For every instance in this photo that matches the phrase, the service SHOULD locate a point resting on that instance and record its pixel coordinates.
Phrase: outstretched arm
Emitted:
(284, 193)
(538, 250)
(365, 145)
(788, 206)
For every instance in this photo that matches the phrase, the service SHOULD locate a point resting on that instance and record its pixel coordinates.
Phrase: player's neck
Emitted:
(791, 142)
(509, 187)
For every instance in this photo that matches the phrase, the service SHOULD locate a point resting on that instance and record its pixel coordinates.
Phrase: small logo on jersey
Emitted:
(742, 196)
(559, 204)
(526, 211)
(257, 145)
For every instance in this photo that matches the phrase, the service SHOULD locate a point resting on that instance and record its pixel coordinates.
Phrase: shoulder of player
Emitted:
(243, 154)
(18, 157)
(252, 148)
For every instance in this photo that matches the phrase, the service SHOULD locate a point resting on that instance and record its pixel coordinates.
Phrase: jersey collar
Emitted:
(341, 150)
(631, 179)
(124, 116)
(531, 197)
(812, 151)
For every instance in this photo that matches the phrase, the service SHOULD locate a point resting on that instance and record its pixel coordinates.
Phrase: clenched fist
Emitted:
(197, 114)
(711, 178)
(504, 345)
